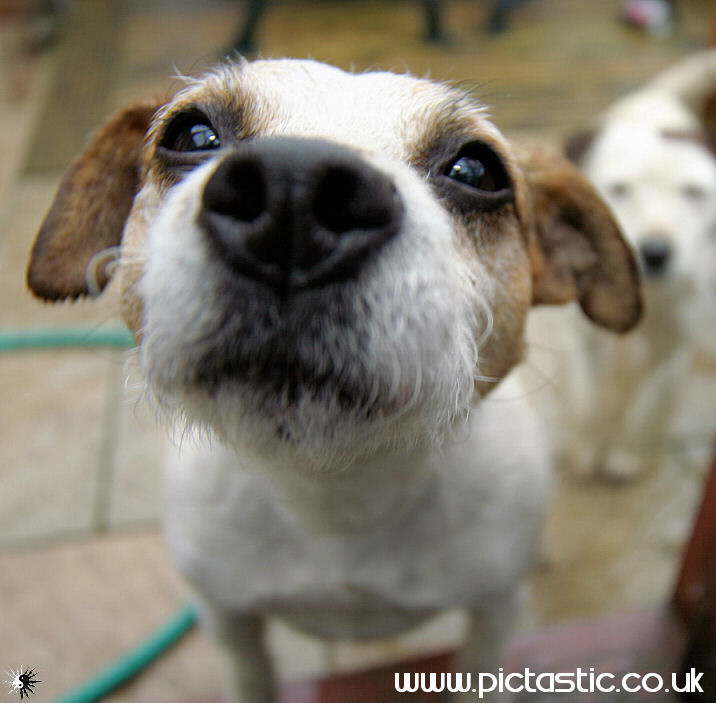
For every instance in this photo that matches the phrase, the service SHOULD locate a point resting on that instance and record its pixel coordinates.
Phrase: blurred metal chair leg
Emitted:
(245, 41)
(499, 18)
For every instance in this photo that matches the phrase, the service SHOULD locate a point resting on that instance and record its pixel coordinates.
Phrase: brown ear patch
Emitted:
(577, 146)
(90, 208)
(571, 259)
(581, 253)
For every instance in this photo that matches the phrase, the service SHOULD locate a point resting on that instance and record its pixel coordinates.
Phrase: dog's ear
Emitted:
(90, 207)
(578, 251)
(576, 146)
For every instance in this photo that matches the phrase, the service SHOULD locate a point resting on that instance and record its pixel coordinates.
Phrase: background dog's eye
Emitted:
(479, 167)
(693, 192)
(191, 131)
(619, 189)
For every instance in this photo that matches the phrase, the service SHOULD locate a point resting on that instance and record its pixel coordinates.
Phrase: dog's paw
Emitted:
(622, 465)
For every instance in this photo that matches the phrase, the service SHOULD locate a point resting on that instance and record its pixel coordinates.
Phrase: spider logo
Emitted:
(22, 680)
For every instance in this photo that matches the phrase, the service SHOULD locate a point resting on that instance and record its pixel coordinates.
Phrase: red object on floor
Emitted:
(637, 642)
(374, 686)
(698, 567)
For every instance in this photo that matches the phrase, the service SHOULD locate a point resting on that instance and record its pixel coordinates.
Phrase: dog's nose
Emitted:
(655, 253)
(298, 213)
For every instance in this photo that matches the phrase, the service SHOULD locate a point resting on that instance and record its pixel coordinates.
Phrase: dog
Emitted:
(326, 274)
(651, 157)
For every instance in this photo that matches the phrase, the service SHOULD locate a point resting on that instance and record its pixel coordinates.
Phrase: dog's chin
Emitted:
(323, 428)
(668, 285)
(321, 399)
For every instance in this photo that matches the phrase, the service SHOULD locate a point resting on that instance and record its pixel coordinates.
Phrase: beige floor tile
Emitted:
(612, 548)
(695, 420)
(24, 80)
(70, 610)
(134, 490)
(52, 417)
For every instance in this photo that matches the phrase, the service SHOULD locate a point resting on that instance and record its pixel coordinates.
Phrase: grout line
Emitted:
(41, 72)
(73, 537)
(106, 459)
(85, 63)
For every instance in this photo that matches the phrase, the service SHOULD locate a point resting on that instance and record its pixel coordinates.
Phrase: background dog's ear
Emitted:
(90, 207)
(580, 252)
(576, 146)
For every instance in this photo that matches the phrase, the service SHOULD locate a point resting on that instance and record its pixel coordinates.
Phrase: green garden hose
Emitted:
(133, 662)
(129, 665)
(119, 337)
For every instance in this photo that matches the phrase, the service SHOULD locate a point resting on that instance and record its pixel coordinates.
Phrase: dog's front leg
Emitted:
(242, 636)
(483, 652)
(643, 436)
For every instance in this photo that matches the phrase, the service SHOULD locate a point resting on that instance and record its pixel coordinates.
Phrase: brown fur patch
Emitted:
(581, 253)
(707, 140)
(90, 208)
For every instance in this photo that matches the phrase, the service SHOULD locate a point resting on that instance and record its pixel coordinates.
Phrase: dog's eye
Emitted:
(471, 172)
(477, 166)
(480, 175)
(191, 131)
(468, 171)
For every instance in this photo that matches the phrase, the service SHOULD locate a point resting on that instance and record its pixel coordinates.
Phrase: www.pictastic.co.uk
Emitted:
(578, 681)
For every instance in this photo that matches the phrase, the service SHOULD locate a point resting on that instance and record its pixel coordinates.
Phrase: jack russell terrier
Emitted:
(651, 157)
(326, 273)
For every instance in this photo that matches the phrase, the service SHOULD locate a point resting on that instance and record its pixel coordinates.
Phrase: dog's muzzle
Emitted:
(298, 213)
(656, 254)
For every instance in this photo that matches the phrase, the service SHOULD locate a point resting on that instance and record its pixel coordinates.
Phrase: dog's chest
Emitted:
(466, 529)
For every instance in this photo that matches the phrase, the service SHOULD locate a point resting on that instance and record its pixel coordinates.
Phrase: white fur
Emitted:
(318, 550)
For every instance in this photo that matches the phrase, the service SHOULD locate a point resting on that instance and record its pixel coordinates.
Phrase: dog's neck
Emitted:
(367, 495)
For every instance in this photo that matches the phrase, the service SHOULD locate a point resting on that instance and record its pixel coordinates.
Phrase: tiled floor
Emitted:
(83, 572)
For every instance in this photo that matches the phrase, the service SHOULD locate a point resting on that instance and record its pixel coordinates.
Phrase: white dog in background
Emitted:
(651, 158)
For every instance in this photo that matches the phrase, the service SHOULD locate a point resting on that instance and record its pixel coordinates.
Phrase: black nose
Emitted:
(655, 253)
(298, 213)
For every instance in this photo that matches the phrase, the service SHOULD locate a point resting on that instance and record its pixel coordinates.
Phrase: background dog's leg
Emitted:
(648, 378)
(242, 637)
(612, 373)
(482, 653)
(622, 398)
(644, 435)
